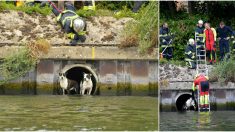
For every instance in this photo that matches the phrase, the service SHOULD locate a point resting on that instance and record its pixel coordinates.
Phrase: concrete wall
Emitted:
(115, 77)
(220, 98)
(176, 81)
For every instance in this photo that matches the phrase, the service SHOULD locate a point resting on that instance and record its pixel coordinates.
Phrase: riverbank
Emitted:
(16, 26)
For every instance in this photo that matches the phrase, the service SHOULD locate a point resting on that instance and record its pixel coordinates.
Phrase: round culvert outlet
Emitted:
(181, 100)
(75, 72)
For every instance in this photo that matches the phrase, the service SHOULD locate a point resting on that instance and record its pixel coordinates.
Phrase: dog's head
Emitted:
(62, 76)
(86, 77)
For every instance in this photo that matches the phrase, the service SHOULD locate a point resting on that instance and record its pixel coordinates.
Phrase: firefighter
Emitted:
(165, 41)
(199, 33)
(210, 39)
(190, 53)
(223, 33)
(73, 25)
(89, 5)
(203, 82)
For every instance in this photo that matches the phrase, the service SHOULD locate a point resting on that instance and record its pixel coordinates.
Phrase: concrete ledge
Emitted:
(86, 53)
(188, 85)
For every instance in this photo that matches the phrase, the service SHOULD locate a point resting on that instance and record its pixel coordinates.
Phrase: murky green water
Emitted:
(215, 120)
(78, 113)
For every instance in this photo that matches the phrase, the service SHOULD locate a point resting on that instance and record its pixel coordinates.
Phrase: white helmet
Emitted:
(200, 22)
(78, 24)
(191, 41)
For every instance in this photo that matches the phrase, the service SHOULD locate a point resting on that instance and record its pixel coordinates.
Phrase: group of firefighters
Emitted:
(207, 37)
(205, 41)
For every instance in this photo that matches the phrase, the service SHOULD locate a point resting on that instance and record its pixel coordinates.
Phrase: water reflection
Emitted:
(78, 113)
(195, 121)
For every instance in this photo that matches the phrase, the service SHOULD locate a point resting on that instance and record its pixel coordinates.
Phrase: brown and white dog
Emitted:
(86, 84)
(67, 84)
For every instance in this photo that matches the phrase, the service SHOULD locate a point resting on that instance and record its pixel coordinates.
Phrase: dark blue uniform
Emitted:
(190, 52)
(223, 33)
(165, 39)
(66, 20)
(199, 32)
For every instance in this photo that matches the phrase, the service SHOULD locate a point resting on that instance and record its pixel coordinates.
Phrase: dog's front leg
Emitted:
(89, 93)
(80, 91)
(83, 91)
(63, 91)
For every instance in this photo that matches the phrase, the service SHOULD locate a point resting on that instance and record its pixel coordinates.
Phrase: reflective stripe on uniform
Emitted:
(188, 52)
(82, 33)
(161, 35)
(199, 46)
(89, 7)
(187, 59)
(67, 18)
(71, 35)
(206, 99)
(202, 100)
(199, 35)
(164, 46)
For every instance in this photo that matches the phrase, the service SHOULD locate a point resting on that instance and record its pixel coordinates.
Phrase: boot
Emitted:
(211, 62)
(214, 61)
(206, 106)
(202, 106)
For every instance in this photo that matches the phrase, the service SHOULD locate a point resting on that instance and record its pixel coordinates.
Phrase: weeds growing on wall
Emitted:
(27, 9)
(18, 64)
(223, 72)
(143, 31)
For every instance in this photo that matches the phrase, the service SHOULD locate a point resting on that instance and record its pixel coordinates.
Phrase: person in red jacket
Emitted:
(203, 83)
(209, 39)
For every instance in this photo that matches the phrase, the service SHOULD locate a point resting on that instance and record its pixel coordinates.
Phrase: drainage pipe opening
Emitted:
(75, 72)
(181, 101)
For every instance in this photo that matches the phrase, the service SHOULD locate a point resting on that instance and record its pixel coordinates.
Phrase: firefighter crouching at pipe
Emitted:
(73, 25)
(203, 82)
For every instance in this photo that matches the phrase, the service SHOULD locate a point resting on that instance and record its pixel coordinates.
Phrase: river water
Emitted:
(214, 120)
(78, 113)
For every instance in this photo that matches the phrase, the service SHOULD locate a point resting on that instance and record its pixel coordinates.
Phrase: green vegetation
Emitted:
(18, 64)
(183, 29)
(110, 9)
(174, 62)
(223, 72)
(142, 31)
(182, 23)
(27, 9)
(105, 8)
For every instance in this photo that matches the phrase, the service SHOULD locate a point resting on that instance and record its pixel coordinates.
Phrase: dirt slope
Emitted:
(20, 27)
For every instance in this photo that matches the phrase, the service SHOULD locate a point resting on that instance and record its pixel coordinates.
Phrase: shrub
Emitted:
(223, 72)
(144, 29)
(27, 9)
(18, 64)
